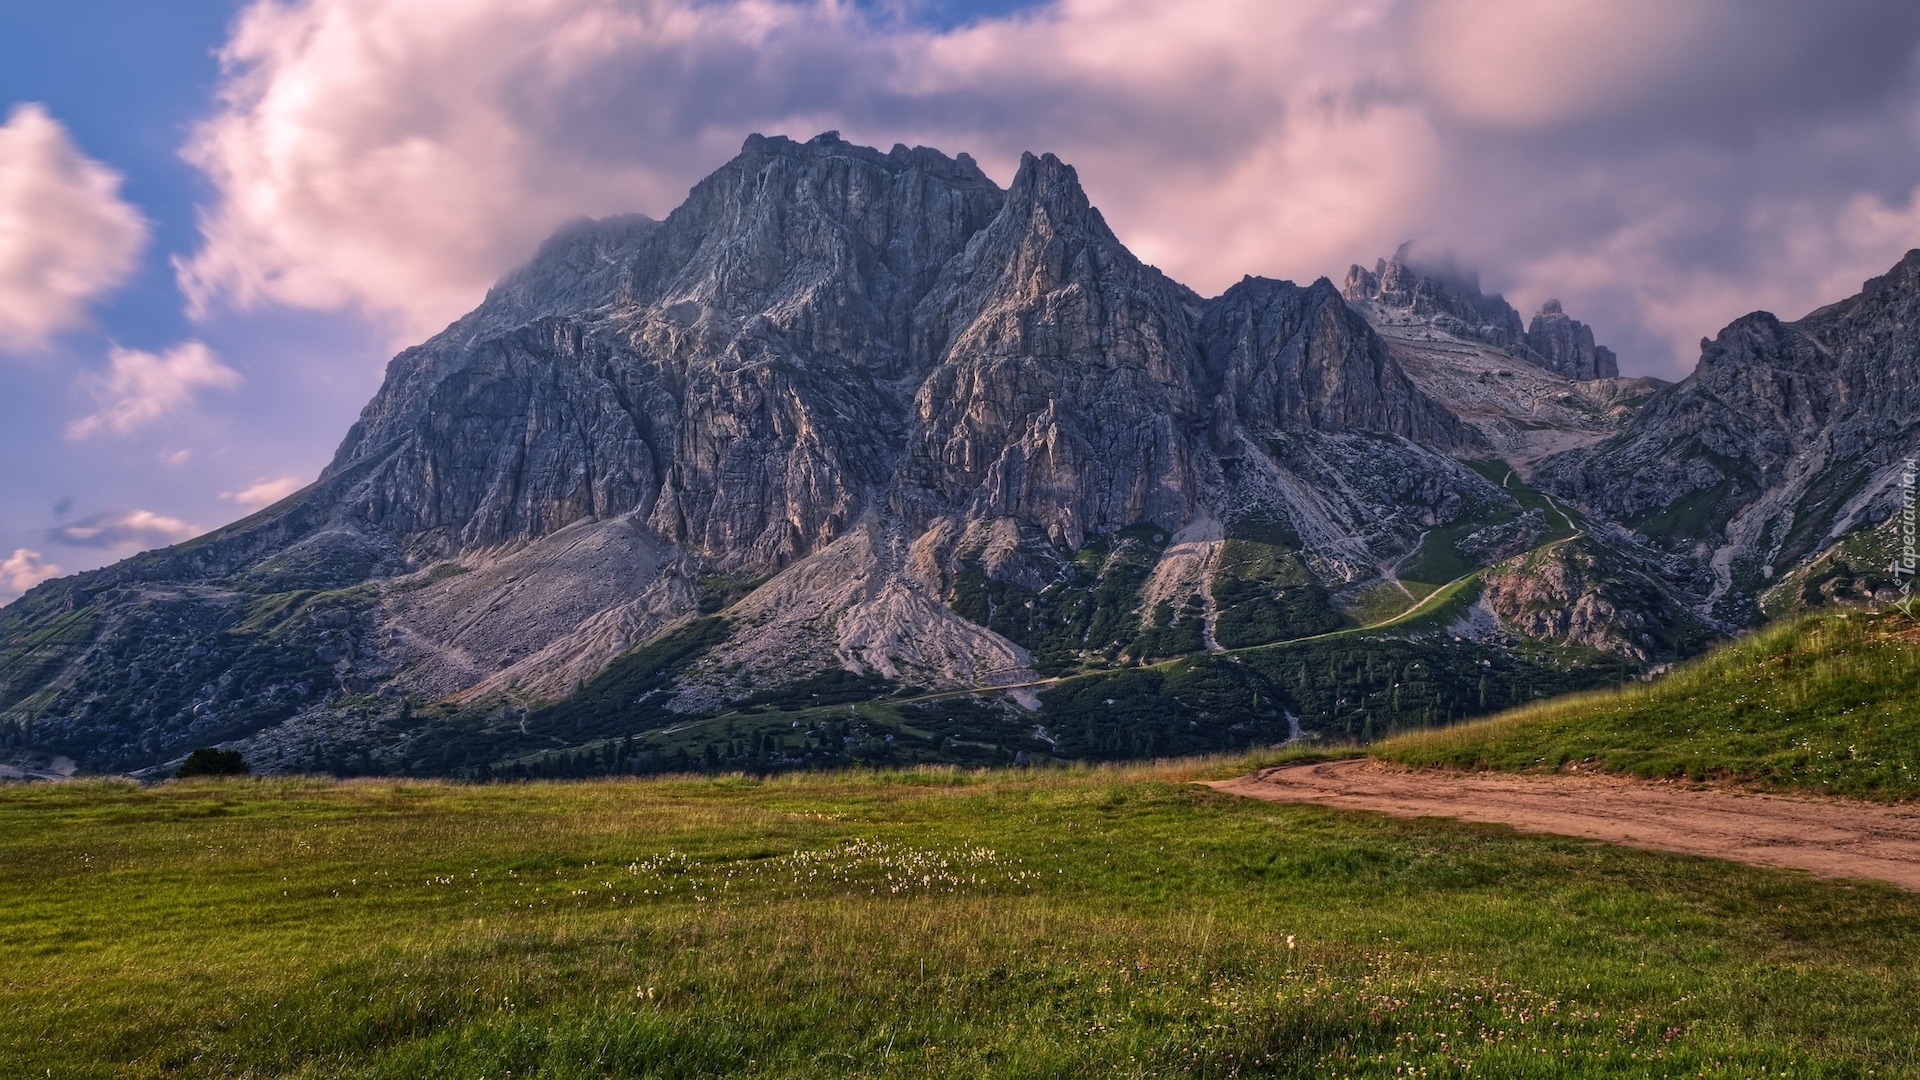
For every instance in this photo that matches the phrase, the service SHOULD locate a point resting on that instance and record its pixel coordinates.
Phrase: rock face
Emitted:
(848, 422)
(1565, 345)
(1585, 593)
(1062, 389)
(1787, 437)
(1285, 358)
(710, 383)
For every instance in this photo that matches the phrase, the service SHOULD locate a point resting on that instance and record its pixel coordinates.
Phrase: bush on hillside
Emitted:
(208, 761)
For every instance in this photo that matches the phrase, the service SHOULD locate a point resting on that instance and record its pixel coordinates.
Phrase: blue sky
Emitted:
(356, 172)
(127, 80)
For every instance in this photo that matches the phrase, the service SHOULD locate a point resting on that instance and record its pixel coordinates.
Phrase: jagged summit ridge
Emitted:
(1448, 298)
(708, 385)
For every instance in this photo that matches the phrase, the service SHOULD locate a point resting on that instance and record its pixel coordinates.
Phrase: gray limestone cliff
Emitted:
(1062, 388)
(1565, 345)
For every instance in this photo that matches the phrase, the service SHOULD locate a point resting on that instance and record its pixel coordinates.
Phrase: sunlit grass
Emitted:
(1828, 702)
(1091, 922)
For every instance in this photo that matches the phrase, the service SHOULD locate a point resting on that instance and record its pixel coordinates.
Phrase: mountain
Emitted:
(858, 456)
(1784, 448)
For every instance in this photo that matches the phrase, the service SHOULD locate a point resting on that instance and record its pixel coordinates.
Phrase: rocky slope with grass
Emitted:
(853, 426)
(1788, 439)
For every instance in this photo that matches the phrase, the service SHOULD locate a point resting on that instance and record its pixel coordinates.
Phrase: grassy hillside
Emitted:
(1829, 702)
(1068, 923)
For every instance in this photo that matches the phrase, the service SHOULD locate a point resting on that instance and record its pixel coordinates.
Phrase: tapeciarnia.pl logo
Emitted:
(1906, 562)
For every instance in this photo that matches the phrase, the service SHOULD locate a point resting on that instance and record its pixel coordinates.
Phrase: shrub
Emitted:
(208, 761)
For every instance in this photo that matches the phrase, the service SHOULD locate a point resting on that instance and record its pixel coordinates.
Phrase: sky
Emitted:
(219, 218)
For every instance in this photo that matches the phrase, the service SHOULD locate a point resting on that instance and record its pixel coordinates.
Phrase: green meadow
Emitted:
(1075, 922)
(1827, 702)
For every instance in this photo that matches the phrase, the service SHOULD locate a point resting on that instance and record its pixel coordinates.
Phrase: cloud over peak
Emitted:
(66, 237)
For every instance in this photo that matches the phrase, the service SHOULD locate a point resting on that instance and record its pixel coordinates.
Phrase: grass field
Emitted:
(1118, 922)
(1828, 702)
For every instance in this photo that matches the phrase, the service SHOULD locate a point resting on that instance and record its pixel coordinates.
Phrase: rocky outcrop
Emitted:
(1583, 593)
(1280, 357)
(1565, 345)
(1438, 295)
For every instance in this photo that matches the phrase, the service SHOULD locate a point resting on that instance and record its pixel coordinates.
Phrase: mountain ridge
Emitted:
(863, 422)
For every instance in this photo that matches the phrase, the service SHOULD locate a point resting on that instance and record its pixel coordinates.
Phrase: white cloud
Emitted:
(21, 571)
(65, 235)
(129, 530)
(394, 158)
(264, 492)
(140, 387)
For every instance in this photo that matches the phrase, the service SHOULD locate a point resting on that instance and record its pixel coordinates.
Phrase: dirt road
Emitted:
(1830, 837)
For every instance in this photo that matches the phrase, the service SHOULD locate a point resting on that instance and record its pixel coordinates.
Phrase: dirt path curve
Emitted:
(1830, 837)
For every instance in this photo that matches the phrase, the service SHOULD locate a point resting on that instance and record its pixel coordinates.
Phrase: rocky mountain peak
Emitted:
(1438, 291)
(1440, 294)
(1289, 358)
(1786, 438)
(1565, 345)
(1045, 185)
(882, 417)
(580, 267)
(1061, 390)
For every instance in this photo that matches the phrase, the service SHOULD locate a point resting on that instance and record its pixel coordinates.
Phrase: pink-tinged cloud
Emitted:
(264, 492)
(1662, 168)
(66, 237)
(141, 387)
(22, 570)
(126, 530)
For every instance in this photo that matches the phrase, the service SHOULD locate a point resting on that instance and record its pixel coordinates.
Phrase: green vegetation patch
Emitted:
(34, 651)
(1090, 610)
(1693, 517)
(1852, 570)
(184, 668)
(1829, 702)
(1265, 593)
(1341, 688)
(1013, 924)
(1172, 631)
(720, 591)
(1449, 552)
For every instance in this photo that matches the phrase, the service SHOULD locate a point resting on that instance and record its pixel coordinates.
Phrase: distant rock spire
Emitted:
(1564, 344)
